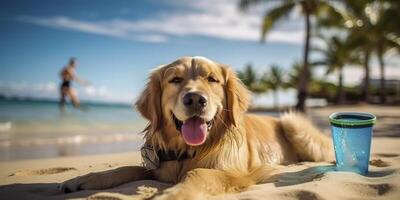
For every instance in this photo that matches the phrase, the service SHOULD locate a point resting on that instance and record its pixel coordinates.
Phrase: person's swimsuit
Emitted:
(66, 78)
(66, 84)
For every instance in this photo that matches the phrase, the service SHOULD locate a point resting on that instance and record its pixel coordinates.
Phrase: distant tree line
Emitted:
(352, 31)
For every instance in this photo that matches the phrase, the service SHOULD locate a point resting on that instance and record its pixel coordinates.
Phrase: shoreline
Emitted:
(388, 118)
(37, 148)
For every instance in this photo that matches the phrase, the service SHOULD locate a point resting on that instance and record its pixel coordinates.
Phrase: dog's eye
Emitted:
(176, 80)
(212, 80)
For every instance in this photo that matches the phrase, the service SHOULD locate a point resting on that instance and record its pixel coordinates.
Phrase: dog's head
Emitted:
(195, 96)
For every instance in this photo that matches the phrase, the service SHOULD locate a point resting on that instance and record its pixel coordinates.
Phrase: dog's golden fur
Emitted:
(240, 149)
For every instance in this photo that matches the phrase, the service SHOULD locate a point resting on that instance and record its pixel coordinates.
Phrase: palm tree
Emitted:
(371, 25)
(387, 36)
(309, 8)
(251, 80)
(273, 79)
(338, 53)
(294, 76)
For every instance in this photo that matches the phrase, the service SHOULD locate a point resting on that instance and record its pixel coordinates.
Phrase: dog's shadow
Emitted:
(143, 189)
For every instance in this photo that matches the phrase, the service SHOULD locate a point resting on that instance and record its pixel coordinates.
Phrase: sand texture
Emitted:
(38, 179)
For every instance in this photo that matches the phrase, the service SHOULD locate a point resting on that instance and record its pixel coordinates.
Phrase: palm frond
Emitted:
(329, 15)
(318, 63)
(245, 4)
(272, 16)
(394, 40)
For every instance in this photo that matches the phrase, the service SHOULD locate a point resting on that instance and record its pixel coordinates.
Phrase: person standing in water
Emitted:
(68, 75)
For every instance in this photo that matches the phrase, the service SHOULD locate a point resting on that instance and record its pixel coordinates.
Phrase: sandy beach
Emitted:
(388, 117)
(94, 94)
(39, 178)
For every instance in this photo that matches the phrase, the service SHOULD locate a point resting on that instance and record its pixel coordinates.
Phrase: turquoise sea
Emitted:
(32, 129)
(37, 129)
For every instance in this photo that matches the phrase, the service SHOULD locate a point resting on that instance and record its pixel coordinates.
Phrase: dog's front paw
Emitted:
(92, 181)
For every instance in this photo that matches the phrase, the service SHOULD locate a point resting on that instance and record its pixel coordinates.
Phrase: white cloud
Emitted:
(50, 90)
(23, 89)
(102, 93)
(195, 18)
(107, 28)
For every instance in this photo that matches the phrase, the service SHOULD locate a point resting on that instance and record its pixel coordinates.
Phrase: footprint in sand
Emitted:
(387, 155)
(381, 189)
(303, 195)
(378, 163)
(39, 172)
(110, 164)
(371, 189)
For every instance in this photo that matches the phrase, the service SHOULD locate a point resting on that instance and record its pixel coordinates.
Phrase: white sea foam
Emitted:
(5, 126)
(72, 140)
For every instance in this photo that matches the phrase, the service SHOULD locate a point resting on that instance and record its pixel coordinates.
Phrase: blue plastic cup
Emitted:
(352, 134)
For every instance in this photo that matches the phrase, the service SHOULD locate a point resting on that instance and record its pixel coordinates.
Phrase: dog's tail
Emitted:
(308, 142)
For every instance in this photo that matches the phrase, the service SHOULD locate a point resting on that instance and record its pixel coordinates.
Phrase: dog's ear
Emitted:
(237, 96)
(149, 102)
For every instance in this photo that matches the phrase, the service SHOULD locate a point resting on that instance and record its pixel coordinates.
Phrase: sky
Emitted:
(118, 42)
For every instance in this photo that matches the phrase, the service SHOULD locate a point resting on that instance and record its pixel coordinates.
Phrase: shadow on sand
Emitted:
(317, 173)
(147, 188)
(51, 191)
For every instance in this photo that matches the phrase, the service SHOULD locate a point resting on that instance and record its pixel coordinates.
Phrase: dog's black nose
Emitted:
(194, 100)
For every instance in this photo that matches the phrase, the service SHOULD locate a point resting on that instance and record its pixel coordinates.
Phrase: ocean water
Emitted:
(37, 129)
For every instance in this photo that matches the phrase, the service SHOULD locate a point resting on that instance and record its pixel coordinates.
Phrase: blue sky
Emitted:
(118, 42)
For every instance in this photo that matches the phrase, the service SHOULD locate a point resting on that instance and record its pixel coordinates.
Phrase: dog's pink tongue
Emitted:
(194, 131)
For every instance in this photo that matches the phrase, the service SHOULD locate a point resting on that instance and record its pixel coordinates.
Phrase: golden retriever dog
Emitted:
(200, 136)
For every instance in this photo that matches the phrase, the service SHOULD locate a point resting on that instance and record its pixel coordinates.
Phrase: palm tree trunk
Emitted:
(304, 77)
(366, 92)
(276, 99)
(340, 97)
(382, 90)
